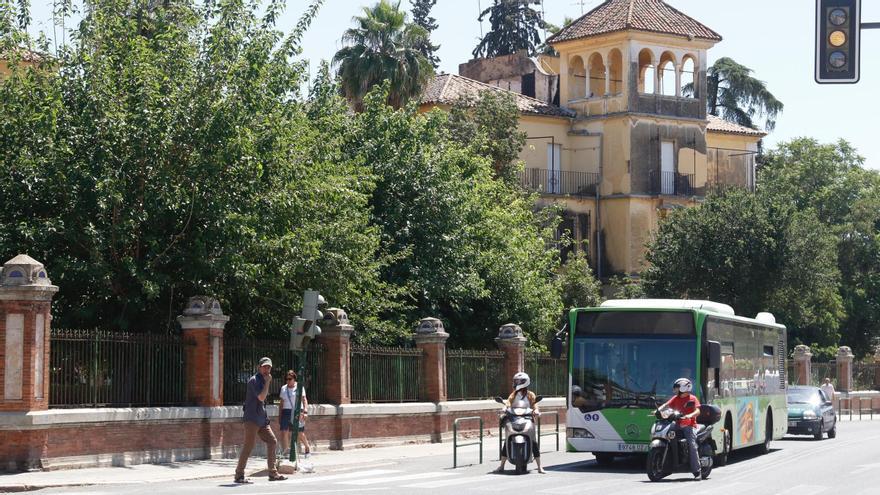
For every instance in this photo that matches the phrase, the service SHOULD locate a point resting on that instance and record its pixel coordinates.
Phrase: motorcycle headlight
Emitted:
(578, 433)
(670, 435)
(808, 414)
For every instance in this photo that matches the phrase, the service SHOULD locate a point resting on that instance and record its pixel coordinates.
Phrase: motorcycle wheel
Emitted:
(520, 468)
(705, 471)
(654, 466)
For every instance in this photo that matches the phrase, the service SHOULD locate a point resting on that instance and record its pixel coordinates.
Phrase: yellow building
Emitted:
(630, 138)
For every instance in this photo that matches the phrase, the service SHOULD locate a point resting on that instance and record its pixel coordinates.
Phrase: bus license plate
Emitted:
(632, 447)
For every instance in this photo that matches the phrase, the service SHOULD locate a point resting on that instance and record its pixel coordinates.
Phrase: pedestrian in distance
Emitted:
(288, 398)
(256, 422)
(828, 390)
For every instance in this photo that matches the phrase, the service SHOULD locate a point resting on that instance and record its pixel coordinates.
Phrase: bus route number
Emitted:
(591, 417)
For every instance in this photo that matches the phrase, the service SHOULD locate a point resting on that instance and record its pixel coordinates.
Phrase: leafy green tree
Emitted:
(625, 287)
(830, 179)
(490, 124)
(383, 47)
(733, 94)
(465, 247)
(580, 289)
(166, 154)
(756, 252)
(421, 11)
(515, 25)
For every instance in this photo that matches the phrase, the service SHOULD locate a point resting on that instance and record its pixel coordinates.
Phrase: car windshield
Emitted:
(804, 396)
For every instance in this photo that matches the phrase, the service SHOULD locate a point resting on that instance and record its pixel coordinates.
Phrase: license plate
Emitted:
(792, 424)
(632, 447)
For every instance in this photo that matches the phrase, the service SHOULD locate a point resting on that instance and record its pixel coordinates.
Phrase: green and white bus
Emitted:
(625, 355)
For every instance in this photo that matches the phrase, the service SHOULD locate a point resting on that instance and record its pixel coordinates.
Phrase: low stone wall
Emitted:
(75, 438)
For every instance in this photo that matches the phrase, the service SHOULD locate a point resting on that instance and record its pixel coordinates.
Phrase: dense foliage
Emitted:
(756, 253)
(169, 152)
(514, 27)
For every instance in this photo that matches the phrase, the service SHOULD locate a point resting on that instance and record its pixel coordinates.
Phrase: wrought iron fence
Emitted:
(241, 357)
(864, 376)
(558, 182)
(549, 376)
(475, 374)
(386, 374)
(673, 184)
(102, 368)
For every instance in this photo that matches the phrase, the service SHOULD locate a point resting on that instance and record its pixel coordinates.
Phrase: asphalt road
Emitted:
(848, 464)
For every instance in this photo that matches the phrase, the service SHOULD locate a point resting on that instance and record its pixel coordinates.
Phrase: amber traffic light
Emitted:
(838, 24)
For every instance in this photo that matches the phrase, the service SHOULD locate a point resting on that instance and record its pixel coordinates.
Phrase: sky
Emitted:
(775, 38)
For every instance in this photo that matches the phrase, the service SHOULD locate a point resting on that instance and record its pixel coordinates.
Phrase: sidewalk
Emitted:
(325, 461)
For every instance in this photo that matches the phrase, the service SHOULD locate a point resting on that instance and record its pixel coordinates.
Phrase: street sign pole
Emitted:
(297, 404)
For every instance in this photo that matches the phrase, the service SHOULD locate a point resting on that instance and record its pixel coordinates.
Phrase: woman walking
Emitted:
(288, 398)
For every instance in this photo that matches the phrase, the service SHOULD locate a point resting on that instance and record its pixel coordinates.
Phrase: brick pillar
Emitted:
(511, 340)
(431, 338)
(844, 369)
(202, 323)
(877, 368)
(25, 312)
(802, 356)
(335, 371)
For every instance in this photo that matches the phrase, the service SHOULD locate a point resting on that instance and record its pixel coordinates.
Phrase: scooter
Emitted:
(518, 432)
(669, 450)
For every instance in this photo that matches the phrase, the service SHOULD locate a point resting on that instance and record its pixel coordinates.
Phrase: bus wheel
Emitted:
(726, 444)
(603, 458)
(768, 434)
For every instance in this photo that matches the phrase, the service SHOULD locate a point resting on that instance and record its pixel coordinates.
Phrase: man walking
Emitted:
(256, 422)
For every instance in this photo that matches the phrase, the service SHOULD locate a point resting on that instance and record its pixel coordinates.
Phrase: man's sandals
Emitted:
(277, 477)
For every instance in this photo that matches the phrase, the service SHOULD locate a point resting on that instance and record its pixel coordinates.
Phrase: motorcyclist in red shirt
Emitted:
(685, 402)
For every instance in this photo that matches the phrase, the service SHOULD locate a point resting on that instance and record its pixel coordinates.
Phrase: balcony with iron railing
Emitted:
(673, 184)
(558, 183)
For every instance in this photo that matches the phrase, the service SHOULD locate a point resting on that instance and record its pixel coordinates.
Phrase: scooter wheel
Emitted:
(654, 466)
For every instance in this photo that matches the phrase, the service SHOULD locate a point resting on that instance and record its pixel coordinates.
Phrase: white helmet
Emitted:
(520, 381)
(683, 385)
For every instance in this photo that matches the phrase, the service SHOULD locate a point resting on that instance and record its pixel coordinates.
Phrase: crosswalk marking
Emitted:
(803, 490)
(406, 477)
(584, 485)
(317, 478)
(453, 482)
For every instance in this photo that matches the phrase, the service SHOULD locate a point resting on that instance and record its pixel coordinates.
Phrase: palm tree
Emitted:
(514, 27)
(383, 46)
(734, 95)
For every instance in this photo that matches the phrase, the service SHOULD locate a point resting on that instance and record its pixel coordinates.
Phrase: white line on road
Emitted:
(317, 478)
(804, 490)
(460, 481)
(406, 477)
(337, 490)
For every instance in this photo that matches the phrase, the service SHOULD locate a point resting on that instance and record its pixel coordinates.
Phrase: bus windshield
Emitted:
(628, 371)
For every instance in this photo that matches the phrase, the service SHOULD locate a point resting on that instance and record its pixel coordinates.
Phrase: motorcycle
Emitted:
(518, 432)
(669, 450)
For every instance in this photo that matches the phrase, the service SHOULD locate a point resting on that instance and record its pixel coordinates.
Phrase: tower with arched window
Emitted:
(634, 74)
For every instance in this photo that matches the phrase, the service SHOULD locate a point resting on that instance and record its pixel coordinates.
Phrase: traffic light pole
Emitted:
(297, 404)
(871, 25)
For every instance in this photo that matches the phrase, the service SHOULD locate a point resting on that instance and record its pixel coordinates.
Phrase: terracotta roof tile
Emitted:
(639, 15)
(717, 124)
(447, 89)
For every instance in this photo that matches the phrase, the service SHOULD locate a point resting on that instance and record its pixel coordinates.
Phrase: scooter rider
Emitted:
(688, 405)
(521, 393)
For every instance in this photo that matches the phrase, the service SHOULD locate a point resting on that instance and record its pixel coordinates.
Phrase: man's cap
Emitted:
(265, 362)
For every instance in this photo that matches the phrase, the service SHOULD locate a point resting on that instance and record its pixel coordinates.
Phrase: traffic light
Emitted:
(299, 333)
(838, 25)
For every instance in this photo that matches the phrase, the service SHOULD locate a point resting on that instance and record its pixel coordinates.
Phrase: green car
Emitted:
(810, 413)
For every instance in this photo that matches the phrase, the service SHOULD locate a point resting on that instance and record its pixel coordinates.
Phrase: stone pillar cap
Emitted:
(23, 271)
(511, 333)
(430, 329)
(801, 351)
(844, 352)
(202, 310)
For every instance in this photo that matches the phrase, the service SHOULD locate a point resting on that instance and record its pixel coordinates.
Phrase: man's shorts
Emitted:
(285, 420)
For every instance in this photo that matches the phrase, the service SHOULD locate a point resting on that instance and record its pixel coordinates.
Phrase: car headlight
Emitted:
(578, 433)
(809, 415)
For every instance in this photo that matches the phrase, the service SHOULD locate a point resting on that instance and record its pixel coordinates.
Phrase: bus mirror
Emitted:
(714, 354)
(556, 347)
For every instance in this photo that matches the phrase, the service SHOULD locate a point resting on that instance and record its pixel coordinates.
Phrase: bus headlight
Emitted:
(578, 433)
